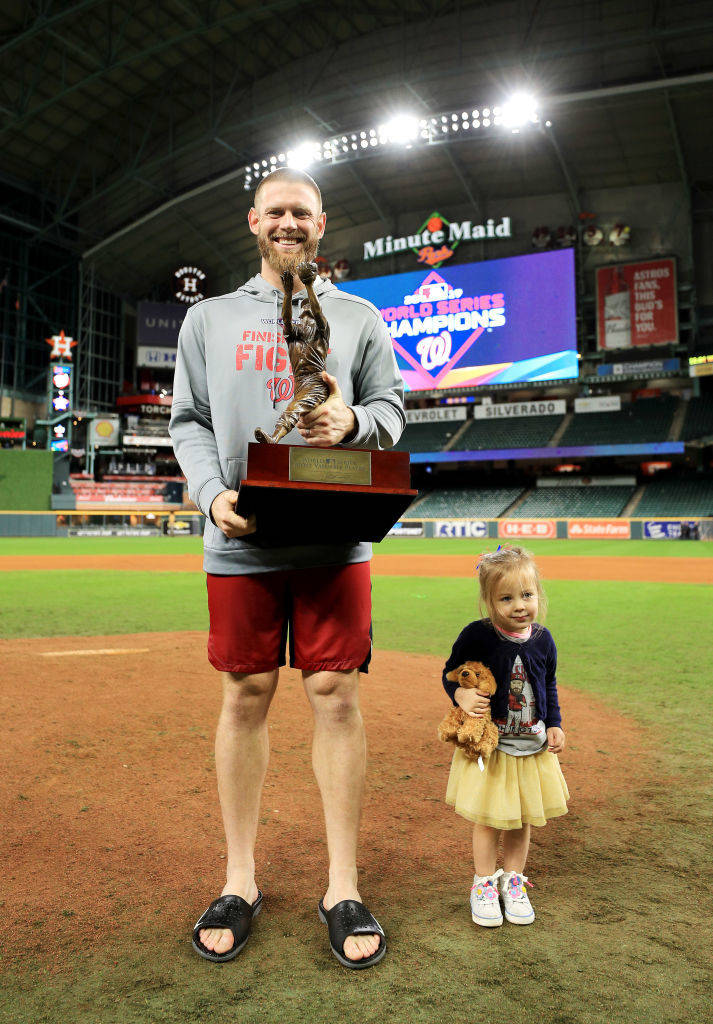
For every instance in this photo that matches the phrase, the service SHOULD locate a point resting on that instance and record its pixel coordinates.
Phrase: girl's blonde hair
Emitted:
(517, 562)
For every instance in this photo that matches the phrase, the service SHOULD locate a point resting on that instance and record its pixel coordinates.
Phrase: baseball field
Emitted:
(112, 840)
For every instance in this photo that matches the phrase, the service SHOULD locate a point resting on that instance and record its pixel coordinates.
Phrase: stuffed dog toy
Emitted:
(476, 736)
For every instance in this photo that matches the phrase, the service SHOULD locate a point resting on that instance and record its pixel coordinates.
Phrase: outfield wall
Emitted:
(515, 530)
(130, 522)
(112, 523)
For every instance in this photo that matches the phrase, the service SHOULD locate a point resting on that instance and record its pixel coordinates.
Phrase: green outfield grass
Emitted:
(32, 546)
(624, 946)
(390, 546)
(635, 624)
(590, 548)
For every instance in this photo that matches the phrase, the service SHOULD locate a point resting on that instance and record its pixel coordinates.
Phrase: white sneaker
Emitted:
(484, 901)
(518, 909)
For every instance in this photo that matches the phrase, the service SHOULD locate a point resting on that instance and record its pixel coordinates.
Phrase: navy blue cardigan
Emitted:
(480, 641)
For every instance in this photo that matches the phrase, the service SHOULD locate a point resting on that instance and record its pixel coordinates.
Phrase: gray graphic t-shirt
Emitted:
(521, 733)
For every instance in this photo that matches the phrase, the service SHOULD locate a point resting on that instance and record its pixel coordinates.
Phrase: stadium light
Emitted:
(518, 110)
(518, 113)
(400, 130)
(303, 156)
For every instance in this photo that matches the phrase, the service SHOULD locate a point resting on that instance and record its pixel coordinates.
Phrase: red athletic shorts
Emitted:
(327, 609)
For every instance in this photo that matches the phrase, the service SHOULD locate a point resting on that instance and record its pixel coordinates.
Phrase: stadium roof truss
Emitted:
(126, 126)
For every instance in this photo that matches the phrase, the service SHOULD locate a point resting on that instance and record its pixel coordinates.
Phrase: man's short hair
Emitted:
(292, 175)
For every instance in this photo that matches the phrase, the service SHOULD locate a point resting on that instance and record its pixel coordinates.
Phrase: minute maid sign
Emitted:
(437, 239)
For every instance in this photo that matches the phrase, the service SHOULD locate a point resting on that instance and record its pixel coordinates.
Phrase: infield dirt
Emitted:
(112, 805)
(556, 567)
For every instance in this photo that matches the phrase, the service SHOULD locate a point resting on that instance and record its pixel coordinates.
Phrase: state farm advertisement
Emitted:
(538, 528)
(604, 529)
(637, 305)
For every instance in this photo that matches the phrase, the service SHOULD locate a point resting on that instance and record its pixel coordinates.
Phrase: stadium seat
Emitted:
(699, 419)
(648, 419)
(574, 501)
(427, 437)
(516, 432)
(676, 498)
(483, 503)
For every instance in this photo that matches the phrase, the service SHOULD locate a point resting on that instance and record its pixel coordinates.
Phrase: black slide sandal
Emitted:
(231, 912)
(351, 918)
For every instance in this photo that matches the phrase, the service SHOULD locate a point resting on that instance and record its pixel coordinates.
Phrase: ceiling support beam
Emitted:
(686, 181)
(207, 186)
(368, 192)
(628, 89)
(42, 23)
(573, 190)
(452, 159)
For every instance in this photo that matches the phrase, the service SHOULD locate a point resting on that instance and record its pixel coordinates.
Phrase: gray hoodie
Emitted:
(233, 374)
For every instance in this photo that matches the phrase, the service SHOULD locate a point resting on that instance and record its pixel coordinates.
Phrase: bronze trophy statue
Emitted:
(336, 494)
(308, 344)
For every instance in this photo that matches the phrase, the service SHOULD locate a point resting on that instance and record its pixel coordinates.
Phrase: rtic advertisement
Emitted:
(609, 529)
(500, 321)
(527, 528)
(460, 528)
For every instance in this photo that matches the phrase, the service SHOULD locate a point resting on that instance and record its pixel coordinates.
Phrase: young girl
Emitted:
(521, 783)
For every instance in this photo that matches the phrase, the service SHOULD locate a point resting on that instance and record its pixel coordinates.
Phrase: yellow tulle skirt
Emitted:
(510, 792)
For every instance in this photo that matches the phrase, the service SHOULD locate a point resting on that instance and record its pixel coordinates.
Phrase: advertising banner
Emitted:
(637, 304)
(12, 429)
(586, 481)
(700, 366)
(604, 403)
(145, 405)
(541, 528)
(147, 441)
(460, 528)
(507, 410)
(437, 238)
(437, 415)
(648, 366)
(104, 432)
(113, 531)
(495, 322)
(158, 323)
(608, 529)
(411, 529)
(665, 529)
(155, 356)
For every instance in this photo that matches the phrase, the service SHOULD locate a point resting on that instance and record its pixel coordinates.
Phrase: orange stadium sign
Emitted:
(614, 529)
(527, 528)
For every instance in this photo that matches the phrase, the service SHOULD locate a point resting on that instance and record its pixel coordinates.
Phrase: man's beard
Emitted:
(282, 261)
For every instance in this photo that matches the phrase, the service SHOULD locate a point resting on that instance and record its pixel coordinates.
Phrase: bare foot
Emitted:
(356, 947)
(220, 940)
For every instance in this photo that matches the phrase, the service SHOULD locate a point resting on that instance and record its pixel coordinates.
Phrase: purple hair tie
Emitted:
(483, 554)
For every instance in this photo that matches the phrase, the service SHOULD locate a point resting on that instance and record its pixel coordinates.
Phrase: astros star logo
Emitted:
(61, 346)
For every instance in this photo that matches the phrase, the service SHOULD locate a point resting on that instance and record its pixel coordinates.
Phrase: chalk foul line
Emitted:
(98, 650)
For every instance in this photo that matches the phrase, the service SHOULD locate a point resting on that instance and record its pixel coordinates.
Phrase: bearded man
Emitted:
(232, 373)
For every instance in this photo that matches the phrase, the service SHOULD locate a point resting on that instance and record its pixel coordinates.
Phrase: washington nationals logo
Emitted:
(434, 351)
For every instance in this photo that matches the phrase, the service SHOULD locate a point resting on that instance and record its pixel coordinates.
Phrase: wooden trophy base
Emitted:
(305, 495)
